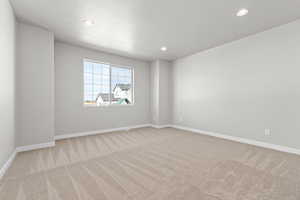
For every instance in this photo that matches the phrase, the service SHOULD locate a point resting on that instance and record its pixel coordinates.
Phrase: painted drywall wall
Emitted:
(7, 81)
(35, 85)
(71, 116)
(244, 87)
(154, 92)
(160, 92)
(165, 100)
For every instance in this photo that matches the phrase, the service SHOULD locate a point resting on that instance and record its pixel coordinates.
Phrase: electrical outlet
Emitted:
(267, 131)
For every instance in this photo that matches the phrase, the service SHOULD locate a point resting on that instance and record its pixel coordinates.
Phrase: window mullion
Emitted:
(93, 92)
(110, 94)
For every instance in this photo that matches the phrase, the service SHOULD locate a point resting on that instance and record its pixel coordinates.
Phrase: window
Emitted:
(106, 84)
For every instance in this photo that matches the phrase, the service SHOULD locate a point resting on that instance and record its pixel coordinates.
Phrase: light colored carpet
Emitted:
(152, 164)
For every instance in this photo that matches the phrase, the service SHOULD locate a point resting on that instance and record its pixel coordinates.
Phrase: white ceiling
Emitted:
(138, 28)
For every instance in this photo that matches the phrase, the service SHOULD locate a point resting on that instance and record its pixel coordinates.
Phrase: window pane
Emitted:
(121, 85)
(88, 78)
(96, 90)
(98, 68)
(88, 67)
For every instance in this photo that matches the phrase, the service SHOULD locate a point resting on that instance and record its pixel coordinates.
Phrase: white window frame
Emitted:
(110, 65)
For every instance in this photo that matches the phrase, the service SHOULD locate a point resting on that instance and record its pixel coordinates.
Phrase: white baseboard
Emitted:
(203, 132)
(35, 146)
(73, 135)
(161, 126)
(242, 140)
(7, 164)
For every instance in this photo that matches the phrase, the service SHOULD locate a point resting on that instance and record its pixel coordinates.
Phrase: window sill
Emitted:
(107, 106)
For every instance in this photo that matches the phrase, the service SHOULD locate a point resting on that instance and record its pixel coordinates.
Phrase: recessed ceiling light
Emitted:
(88, 22)
(242, 12)
(164, 48)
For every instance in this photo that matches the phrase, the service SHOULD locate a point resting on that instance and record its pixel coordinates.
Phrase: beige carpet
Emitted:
(152, 164)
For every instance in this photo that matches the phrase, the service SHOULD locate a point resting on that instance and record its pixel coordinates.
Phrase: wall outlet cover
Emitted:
(267, 131)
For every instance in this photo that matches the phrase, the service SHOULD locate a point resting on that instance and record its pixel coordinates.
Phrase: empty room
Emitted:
(149, 100)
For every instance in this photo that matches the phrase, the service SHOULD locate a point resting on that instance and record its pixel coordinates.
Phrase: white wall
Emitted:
(243, 87)
(71, 116)
(154, 92)
(35, 85)
(165, 98)
(7, 81)
(161, 92)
